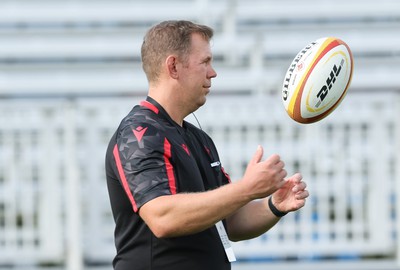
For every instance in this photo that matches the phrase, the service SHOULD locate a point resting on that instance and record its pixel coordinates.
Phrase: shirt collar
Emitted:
(153, 105)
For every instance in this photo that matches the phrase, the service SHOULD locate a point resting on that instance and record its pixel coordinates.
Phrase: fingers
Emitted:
(258, 155)
(297, 182)
(292, 196)
(264, 177)
(302, 195)
(297, 177)
(278, 165)
(299, 187)
(274, 159)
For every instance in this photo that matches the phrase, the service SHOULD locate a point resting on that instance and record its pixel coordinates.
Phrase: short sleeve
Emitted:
(142, 163)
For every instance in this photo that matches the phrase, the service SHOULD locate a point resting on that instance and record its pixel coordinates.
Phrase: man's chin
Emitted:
(200, 103)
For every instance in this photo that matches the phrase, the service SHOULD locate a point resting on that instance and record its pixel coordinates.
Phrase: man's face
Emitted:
(197, 73)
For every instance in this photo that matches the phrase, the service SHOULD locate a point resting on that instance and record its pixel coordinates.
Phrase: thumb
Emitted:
(257, 155)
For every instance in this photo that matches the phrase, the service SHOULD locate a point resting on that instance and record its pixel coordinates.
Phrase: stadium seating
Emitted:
(73, 51)
(70, 69)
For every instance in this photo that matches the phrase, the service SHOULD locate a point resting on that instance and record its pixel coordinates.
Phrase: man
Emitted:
(168, 190)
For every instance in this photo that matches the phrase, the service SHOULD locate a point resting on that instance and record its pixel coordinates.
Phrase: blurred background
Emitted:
(70, 70)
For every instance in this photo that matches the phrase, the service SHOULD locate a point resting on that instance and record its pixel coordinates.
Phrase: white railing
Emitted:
(93, 47)
(54, 204)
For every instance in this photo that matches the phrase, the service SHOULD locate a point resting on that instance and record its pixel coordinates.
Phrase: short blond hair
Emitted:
(169, 37)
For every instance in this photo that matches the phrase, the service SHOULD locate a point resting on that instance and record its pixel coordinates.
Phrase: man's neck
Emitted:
(171, 106)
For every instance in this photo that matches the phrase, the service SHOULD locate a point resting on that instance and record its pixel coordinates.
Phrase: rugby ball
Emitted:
(317, 80)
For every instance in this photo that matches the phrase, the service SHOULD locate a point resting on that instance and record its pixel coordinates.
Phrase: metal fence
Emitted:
(54, 205)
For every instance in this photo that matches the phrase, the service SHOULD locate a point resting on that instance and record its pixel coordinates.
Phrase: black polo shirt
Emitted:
(149, 156)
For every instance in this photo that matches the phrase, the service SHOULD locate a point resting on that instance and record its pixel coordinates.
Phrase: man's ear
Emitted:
(171, 63)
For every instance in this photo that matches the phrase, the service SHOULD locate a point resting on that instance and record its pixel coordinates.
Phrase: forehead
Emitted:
(200, 46)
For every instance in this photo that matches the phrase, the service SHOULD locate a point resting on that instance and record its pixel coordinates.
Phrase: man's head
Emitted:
(169, 37)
